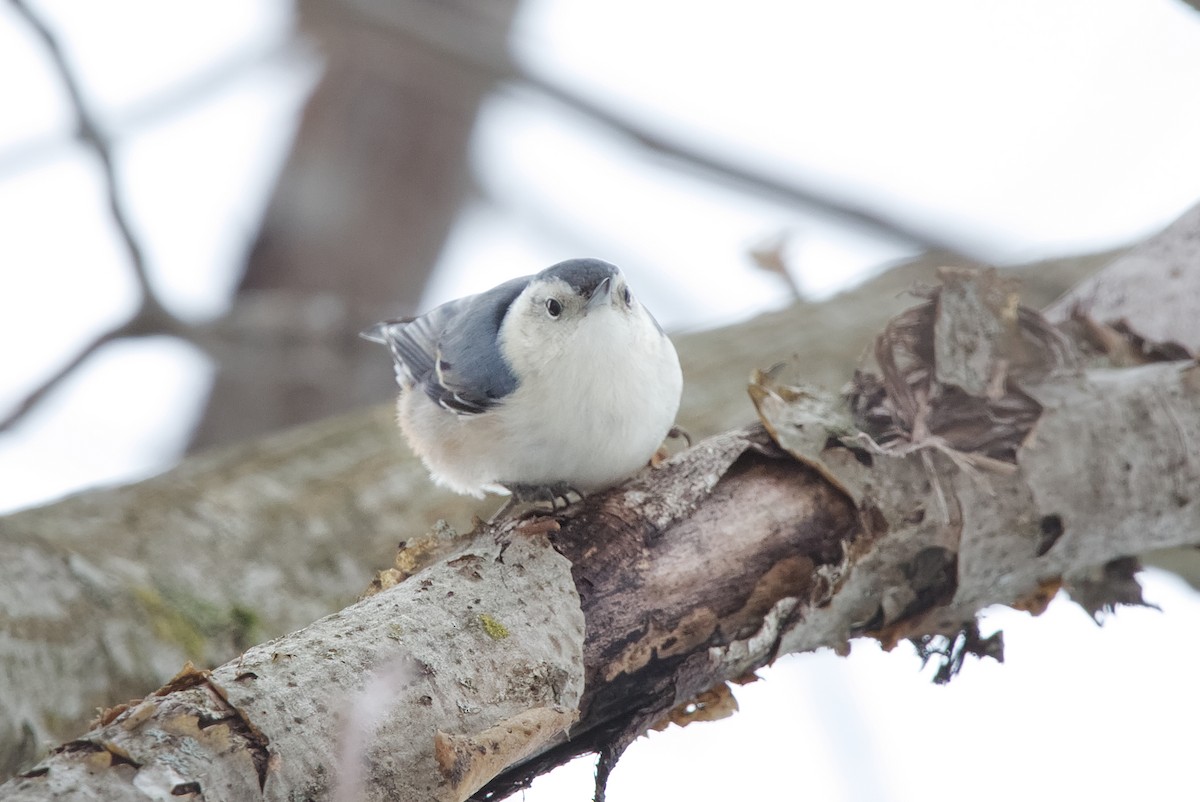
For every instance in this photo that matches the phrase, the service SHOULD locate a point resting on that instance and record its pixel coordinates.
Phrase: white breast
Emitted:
(597, 417)
(590, 418)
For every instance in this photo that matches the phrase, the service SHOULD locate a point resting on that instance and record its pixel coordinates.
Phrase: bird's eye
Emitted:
(628, 297)
(553, 307)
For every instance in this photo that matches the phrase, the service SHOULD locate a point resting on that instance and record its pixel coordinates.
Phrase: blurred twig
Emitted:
(151, 317)
(448, 32)
(770, 256)
(90, 134)
(741, 176)
(452, 33)
(172, 100)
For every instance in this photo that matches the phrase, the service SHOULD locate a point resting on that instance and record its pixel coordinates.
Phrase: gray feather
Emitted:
(453, 352)
(582, 275)
(585, 275)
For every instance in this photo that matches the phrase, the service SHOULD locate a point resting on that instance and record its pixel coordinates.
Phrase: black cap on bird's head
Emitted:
(582, 275)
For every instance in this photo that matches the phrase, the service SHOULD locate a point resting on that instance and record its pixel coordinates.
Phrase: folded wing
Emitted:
(452, 353)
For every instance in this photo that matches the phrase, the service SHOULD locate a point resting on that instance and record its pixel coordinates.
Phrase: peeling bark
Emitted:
(1150, 291)
(899, 515)
(103, 595)
(900, 521)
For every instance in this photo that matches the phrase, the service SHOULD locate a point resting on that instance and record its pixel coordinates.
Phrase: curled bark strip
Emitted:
(952, 368)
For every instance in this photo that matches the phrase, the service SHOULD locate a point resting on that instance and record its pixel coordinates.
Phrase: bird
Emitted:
(545, 386)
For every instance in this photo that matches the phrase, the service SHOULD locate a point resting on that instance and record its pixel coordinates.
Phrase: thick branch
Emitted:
(901, 539)
(485, 638)
(260, 539)
(689, 576)
(889, 531)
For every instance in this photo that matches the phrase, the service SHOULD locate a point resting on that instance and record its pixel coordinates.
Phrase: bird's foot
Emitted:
(680, 433)
(556, 496)
(663, 453)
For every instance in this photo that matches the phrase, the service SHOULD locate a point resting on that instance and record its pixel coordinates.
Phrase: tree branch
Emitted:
(688, 577)
(151, 317)
(89, 132)
(259, 726)
(259, 539)
(175, 99)
(890, 519)
(1151, 291)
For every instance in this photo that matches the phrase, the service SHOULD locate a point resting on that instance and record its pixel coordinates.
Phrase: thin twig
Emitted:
(178, 97)
(432, 31)
(151, 317)
(92, 136)
(26, 404)
(741, 176)
(140, 325)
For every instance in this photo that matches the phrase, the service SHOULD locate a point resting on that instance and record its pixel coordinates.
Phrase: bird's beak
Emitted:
(600, 295)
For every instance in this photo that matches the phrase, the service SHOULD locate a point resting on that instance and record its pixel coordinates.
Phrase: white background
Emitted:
(1018, 130)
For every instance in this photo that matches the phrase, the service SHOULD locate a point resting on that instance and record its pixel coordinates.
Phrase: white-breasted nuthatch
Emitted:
(544, 385)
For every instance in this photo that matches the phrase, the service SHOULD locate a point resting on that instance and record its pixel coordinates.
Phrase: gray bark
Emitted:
(105, 594)
(1153, 289)
(692, 575)
(327, 506)
(476, 642)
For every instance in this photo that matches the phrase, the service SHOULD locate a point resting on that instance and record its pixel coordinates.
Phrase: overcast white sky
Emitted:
(1024, 128)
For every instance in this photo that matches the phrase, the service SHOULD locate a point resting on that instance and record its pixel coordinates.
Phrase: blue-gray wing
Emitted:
(452, 352)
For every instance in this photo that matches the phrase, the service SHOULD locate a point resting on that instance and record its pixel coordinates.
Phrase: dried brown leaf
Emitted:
(808, 424)
(951, 370)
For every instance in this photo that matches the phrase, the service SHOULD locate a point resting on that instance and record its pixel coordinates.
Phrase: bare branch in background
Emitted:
(431, 31)
(741, 176)
(175, 99)
(151, 317)
(465, 40)
(90, 134)
(26, 404)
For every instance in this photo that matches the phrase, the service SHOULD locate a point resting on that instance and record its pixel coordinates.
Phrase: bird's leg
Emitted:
(557, 495)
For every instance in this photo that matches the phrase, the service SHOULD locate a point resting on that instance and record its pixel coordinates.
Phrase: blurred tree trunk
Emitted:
(374, 182)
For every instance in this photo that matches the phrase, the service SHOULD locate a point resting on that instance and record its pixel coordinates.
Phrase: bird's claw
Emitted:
(681, 433)
(663, 453)
(557, 496)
